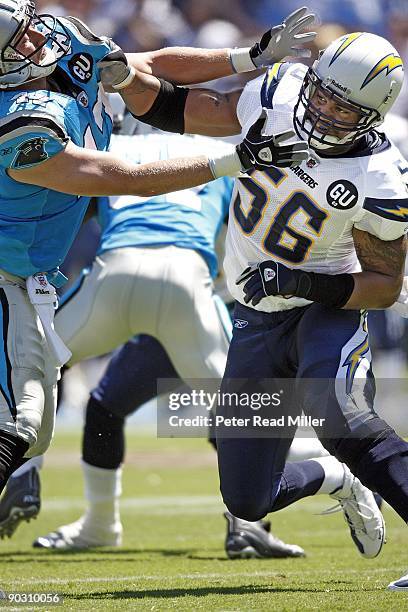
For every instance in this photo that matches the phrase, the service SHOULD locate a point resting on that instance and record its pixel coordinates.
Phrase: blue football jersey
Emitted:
(190, 218)
(37, 225)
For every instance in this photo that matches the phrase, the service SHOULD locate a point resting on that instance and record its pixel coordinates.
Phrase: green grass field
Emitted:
(173, 556)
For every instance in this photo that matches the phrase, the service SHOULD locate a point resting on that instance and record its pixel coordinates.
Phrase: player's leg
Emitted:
(197, 342)
(84, 322)
(355, 433)
(92, 318)
(254, 478)
(129, 382)
(339, 388)
(27, 406)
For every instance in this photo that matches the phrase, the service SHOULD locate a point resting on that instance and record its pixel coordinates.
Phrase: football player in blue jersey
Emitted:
(154, 269)
(54, 132)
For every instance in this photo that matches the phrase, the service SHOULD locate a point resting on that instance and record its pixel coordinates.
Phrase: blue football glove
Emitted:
(268, 278)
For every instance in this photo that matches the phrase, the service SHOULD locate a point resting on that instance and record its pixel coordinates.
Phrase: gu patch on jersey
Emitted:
(81, 66)
(342, 195)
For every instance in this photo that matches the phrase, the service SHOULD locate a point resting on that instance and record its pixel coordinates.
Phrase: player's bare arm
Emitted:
(212, 113)
(87, 172)
(382, 262)
(133, 75)
(187, 65)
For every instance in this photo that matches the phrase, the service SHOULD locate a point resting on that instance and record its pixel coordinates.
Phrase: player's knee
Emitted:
(251, 505)
(103, 439)
(106, 418)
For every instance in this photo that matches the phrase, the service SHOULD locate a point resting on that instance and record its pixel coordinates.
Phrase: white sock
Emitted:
(334, 474)
(103, 489)
(302, 449)
(36, 462)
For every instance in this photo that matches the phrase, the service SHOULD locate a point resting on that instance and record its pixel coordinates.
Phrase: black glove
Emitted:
(259, 151)
(268, 278)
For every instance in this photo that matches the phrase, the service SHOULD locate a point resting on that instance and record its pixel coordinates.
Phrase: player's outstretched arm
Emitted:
(377, 286)
(86, 172)
(186, 65)
(132, 74)
(80, 171)
(382, 262)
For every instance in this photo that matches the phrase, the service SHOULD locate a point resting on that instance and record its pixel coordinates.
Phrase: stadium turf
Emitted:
(173, 556)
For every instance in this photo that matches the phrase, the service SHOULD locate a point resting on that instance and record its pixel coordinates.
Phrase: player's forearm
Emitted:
(185, 65)
(178, 65)
(92, 173)
(374, 291)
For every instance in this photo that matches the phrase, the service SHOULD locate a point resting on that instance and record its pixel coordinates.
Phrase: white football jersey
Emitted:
(304, 216)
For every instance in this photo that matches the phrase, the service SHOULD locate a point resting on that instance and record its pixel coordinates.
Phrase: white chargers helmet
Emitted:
(359, 72)
(18, 18)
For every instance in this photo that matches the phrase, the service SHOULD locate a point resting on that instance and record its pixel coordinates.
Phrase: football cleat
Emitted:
(247, 540)
(362, 515)
(20, 502)
(80, 535)
(399, 585)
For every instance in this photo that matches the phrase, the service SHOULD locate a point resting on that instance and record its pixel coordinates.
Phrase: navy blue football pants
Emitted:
(325, 353)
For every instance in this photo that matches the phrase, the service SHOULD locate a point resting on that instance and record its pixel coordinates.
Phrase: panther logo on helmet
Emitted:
(361, 74)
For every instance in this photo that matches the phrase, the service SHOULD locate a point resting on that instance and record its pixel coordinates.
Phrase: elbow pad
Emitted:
(167, 111)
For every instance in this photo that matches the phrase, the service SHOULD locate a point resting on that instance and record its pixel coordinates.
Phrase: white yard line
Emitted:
(184, 504)
(283, 573)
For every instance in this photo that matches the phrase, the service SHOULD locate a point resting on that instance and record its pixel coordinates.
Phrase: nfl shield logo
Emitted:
(311, 162)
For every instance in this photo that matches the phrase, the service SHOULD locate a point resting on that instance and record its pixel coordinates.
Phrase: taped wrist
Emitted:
(332, 290)
(167, 111)
(240, 59)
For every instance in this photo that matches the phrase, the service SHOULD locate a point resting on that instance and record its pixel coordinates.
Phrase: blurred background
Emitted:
(143, 25)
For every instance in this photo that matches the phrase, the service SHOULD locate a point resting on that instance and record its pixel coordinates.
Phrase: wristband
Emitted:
(127, 81)
(332, 290)
(226, 164)
(241, 60)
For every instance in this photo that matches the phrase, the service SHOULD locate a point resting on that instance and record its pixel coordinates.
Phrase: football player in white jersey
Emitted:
(309, 250)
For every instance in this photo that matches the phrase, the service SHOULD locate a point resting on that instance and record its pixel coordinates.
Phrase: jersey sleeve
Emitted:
(385, 207)
(29, 139)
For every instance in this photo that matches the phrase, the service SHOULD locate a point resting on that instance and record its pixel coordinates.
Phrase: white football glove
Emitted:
(277, 43)
(115, 71)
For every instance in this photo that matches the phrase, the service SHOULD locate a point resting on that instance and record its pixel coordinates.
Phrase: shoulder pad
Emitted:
(271, 82)
(28, 140)
(83, 33)
(387, 193)
(395, 210)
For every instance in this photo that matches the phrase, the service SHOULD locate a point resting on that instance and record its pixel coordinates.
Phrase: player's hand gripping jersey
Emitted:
(37, 226)
(303, 216)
